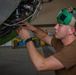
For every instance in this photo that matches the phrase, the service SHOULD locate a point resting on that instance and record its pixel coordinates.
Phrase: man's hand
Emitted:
(23, 32)
(30, 26)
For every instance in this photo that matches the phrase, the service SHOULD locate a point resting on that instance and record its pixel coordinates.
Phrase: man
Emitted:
(64, 60)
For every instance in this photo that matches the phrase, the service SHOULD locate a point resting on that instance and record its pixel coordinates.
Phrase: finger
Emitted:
(23, 27)
(26, 23)
(20, 28)
(17, 31)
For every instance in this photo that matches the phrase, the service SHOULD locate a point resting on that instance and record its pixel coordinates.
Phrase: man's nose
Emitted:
(56, 26)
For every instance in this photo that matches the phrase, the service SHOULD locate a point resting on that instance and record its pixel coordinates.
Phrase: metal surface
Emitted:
(6, 8)
(13, 13)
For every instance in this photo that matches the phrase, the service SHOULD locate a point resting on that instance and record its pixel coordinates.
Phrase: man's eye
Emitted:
(60, 25)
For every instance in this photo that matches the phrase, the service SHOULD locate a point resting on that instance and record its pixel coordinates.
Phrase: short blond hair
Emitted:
(73, 21)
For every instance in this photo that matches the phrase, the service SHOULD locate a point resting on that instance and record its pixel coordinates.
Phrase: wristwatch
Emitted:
(29, 39)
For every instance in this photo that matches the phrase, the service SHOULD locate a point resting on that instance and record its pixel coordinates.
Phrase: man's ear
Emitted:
(72, 30)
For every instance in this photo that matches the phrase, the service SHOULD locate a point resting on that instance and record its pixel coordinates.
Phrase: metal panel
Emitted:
(6, 8)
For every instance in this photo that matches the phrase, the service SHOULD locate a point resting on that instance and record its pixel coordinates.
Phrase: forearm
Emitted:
(41, 34)
(35, 55)
(41, 63)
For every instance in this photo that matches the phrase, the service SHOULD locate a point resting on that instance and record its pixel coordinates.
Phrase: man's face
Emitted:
(61, 31)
